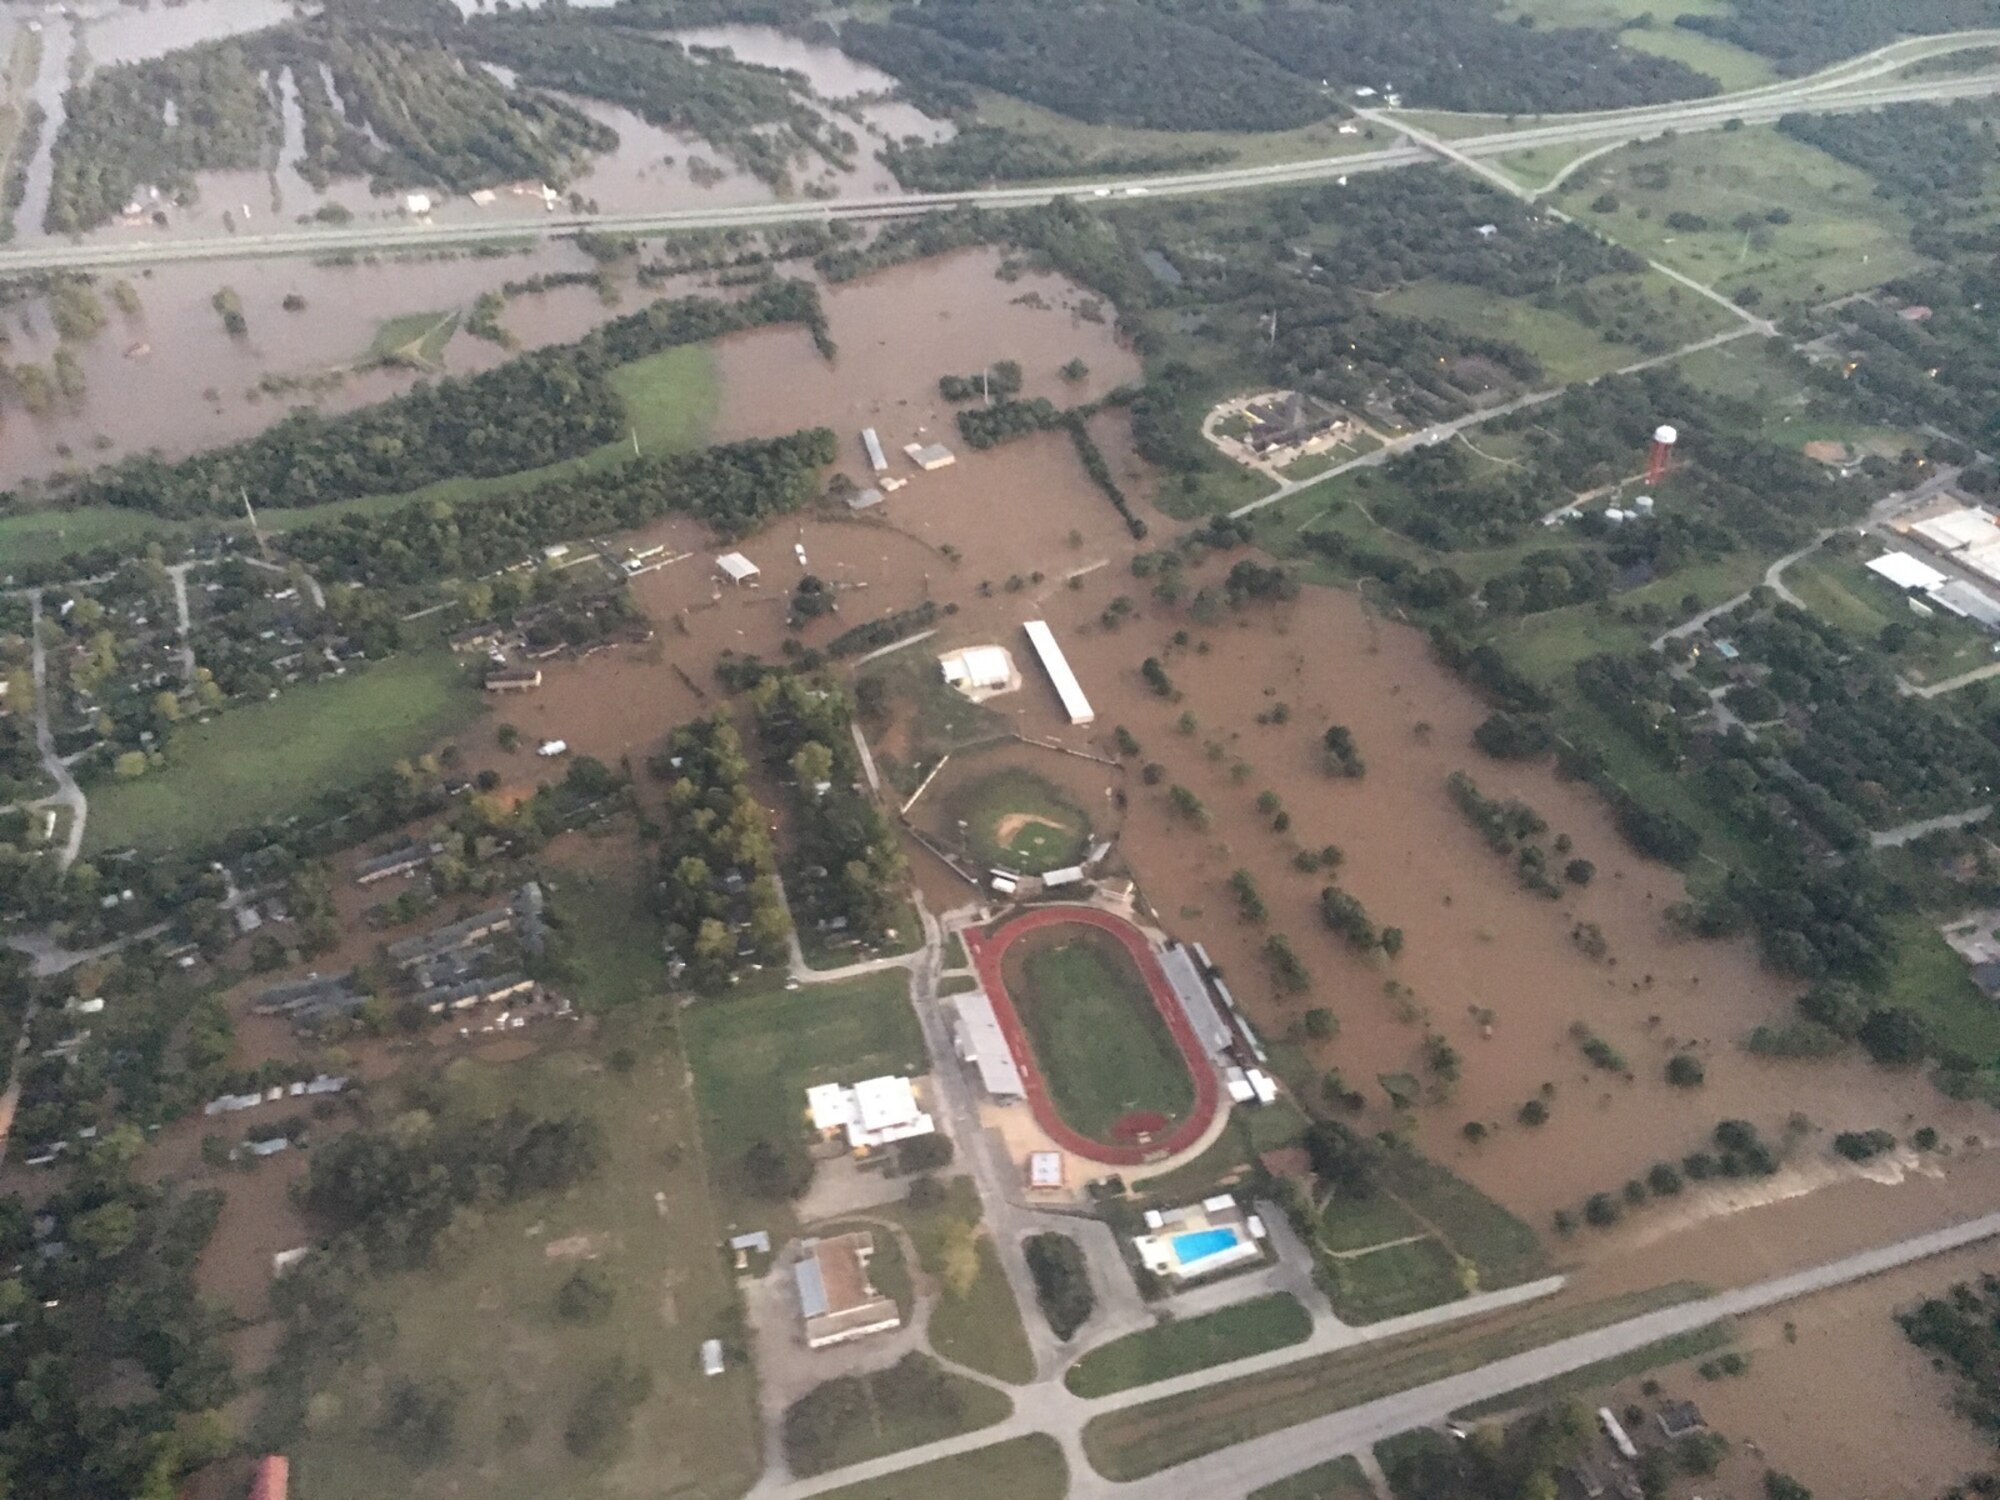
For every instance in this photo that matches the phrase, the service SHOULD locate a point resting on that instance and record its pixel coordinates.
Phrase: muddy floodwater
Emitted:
(170, 377)
(650, 169)
(1496, 971)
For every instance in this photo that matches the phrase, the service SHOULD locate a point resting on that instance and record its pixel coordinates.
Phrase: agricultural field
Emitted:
(1103, 1047)
(262, 760)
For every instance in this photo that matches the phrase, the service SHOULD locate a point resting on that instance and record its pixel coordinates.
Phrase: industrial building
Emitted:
(1068, 689)
(837, 1302)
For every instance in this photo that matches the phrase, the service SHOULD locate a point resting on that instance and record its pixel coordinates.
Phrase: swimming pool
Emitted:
(1202, 1244)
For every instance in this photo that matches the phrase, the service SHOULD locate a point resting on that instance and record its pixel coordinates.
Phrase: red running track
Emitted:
(986, 953)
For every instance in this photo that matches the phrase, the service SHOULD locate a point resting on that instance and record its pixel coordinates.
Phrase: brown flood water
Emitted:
(1474, 940)
(149, 376)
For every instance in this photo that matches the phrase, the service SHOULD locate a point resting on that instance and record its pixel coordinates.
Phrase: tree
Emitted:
(1579, 872)
(130, 766)
(586, 1297)
(1783, 1487)
(959, 1261)
(1062, 1281)
(1684, 1071)
(776, 1172)
(1894, 1037)
(1321, 1024)
(813, 765)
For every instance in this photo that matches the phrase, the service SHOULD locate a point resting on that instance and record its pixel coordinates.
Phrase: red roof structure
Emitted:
(274, 1477)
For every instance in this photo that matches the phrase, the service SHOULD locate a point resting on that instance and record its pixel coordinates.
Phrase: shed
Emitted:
(877, 459)
(1045, 1170)
(737, 568)
(930, 456)
(711, 1357)
(1679, 1418)
(866, 499)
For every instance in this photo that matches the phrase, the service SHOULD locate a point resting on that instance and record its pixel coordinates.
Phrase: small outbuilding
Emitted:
(737, 568)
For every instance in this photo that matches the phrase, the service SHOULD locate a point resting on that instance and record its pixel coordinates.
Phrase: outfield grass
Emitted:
(1025, 1468)
(980, 1328)
(264, 759)
(1336, 1479)
(1606, 1372)
(1049, 830)
(1841, 237)
(754, 1056)
(1181, 1346)
(484, 1320)
(1141, 1440)
(1102, 1046)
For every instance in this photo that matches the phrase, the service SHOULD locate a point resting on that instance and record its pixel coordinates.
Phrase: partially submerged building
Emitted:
(1068, 689)
(837, 1302)
(737, 568)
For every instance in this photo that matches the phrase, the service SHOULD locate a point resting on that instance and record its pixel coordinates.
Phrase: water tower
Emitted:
(1662, 457)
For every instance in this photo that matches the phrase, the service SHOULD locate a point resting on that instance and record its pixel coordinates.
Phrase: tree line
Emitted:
(536, 409)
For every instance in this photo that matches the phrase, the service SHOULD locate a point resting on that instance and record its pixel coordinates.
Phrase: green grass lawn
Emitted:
(885, 1423)
(1394, 1280)
(1043, 829)
(264, 759)
(415, 339)
(1140, 1440)
(1247, 148)
(1025, 1468)
(1105, 1051)
(1336, 1479)
(755, 1055)
(610, 922)
(1841, 237)
(1606, 1372)
(1232, 1152)
(1568, 350)
(1502, 1247)
(38, 536)
(484, 1319)
(1929, 978)
(1844, 593)
(980, 1328)
(1183, 1345)
(1355, 1224)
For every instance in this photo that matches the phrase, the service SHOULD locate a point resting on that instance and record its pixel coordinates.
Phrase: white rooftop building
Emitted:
(1956, 530)
(1068, 689)
(875, 1112)
(737, 568)
(930, 456)
(982, 1043)
(1905, 571)
(877, 459)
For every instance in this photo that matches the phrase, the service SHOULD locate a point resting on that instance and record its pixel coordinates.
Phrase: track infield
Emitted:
(987, 951)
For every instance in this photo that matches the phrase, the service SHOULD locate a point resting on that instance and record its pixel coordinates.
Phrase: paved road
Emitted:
(1892, 838)
(67, 793)
(178, 572)
(1837, 90)
(1248, 1466)
(1236, 1470)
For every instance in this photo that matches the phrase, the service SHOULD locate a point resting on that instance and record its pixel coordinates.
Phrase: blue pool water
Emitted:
(1200, 1244)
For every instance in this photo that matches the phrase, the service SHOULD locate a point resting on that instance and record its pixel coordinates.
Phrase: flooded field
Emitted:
(1836, 1396)
(171, 377)
(650, 168)
(1491, 968)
